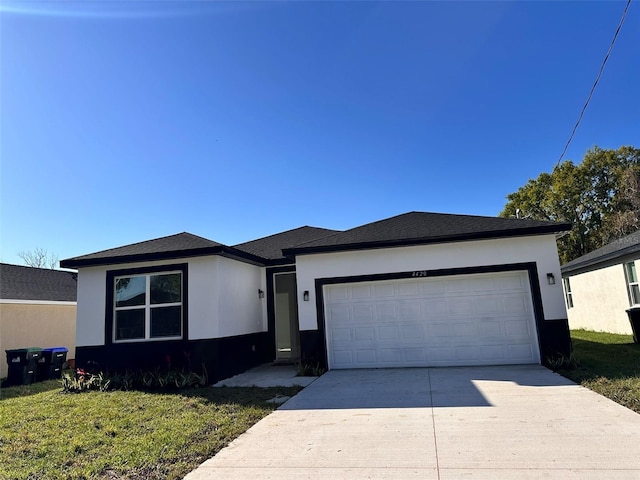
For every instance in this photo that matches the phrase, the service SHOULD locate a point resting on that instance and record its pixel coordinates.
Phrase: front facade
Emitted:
(601, 286)
(37, 309)
(418, 289)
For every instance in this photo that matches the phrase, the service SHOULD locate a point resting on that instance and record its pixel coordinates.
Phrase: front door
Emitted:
(286, 316)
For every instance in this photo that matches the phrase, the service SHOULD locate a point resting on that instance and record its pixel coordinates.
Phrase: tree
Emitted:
(39, 258)
(600, 197)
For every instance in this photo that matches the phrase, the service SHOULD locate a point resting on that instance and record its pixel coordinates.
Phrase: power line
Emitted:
(604, 62)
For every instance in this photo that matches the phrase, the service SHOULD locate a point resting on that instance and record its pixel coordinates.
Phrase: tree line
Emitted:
(599, 196)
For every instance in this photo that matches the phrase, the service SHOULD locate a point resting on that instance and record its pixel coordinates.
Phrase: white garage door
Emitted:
(482, 319)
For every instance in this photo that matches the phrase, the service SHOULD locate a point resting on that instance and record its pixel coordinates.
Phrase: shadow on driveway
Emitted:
(421, 387)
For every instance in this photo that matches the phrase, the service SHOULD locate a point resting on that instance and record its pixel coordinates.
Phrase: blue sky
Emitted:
(127, 121)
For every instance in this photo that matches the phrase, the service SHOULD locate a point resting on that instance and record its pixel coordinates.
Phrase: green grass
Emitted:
(121, 435)
(608, 364)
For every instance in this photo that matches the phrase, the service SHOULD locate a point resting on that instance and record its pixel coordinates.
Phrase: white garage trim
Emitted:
(427, 318)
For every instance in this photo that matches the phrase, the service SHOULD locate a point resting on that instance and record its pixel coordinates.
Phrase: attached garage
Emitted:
(481, 319)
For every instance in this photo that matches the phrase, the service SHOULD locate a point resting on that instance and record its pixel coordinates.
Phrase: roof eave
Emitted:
(587, 264)
(228, 252)
(520, 232)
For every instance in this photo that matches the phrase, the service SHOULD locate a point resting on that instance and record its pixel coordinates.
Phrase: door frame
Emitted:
(271, 307)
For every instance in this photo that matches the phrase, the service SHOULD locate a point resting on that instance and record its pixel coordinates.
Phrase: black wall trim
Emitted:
(271, 308)
(222, 357)
(108, 316)
(530, 267)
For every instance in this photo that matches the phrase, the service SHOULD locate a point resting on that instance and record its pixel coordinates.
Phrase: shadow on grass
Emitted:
(27, 390)
(244, 396)
(610, 360)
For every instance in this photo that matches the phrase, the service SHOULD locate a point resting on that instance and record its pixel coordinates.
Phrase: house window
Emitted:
(632, 282)
(568, 296)
(148, 306)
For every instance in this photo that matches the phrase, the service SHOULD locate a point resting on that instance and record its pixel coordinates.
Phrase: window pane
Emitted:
(635, 294)
(631, 272)
(130, 291)
(130, 324)
(166, 322)
(166, 288)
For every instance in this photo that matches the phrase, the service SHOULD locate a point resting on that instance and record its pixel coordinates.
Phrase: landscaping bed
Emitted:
(121, 434)
(606, 363)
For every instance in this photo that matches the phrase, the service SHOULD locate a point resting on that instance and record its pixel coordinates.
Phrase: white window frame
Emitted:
(630, 284)
(568, 294)
(147, 307)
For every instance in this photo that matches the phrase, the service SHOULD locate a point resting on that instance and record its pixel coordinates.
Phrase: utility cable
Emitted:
(604, 62)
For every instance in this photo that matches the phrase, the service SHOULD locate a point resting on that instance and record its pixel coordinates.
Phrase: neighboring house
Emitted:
(37, 309)
(600, 286)
(418, 289)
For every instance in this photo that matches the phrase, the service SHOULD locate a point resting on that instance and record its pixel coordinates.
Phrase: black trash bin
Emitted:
(23, 365)
(50, 363)
(634, 320)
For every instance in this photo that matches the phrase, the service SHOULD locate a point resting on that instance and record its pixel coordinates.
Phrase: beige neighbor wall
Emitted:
(600, 301)
(24, 325)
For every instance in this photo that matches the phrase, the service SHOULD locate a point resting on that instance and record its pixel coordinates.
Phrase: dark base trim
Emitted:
(222, 357)
(555, 339)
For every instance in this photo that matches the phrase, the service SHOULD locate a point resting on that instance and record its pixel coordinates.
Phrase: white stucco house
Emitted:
(417, 289)
(602, 285)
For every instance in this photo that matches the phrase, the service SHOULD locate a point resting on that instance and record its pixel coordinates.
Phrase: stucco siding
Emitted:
(24, 325)
(241, 311)
(600, 300)
(539, 249)
(222, 298)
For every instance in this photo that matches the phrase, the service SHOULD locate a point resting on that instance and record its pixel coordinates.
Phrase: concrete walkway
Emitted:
(517, 422)
(267, 375)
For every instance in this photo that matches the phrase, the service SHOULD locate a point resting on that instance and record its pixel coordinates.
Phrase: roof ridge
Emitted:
(281, 233)
(147, 241)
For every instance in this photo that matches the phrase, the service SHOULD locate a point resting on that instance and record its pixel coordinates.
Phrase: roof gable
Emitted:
(416, 228)
(19, 282)
(617, 249)
(271, 247)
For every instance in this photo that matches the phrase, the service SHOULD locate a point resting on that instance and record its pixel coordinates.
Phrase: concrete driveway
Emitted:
(516, 422)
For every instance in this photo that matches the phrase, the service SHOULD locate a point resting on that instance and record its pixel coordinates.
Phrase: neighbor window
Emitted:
(567, 292)
(632, 282)
(148, 306)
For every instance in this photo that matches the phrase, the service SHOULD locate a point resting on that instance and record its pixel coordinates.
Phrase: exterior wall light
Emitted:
(305, 296)
(551, 280)
(260, 293)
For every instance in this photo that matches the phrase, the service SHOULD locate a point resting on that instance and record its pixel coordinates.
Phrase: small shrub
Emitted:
(562, 362)
(307, 369)
(159, 379)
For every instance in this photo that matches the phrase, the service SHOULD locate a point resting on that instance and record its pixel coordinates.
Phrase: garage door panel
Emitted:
(386, 290)
(386, 311)
(407, 288)
(361, 291)
(456, 285)
(433, 288)
(459, 307)
(429, 322)
(410, 310)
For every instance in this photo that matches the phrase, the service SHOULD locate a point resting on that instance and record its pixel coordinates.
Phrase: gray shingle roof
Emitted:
(412, 228)
(18, 282)
(271, 247)
(415, 228)
(173, 246)
(617, 249)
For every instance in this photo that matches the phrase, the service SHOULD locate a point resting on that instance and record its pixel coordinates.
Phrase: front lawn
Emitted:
(121, 434)
(608, 364)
